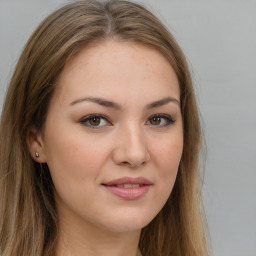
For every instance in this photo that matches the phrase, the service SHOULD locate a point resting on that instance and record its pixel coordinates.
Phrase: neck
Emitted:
(76, 239)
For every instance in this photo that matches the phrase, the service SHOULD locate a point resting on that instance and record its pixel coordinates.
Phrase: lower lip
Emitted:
(128, 193)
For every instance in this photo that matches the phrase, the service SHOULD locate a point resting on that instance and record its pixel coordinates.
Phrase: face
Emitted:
(113, 136)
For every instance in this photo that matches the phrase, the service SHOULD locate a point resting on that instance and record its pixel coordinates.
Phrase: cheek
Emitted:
(74, 157)
(75, 164)
(167, 155)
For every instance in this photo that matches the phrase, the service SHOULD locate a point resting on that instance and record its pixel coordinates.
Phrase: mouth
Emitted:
(128, 182)
(129, 185)
(128, 188)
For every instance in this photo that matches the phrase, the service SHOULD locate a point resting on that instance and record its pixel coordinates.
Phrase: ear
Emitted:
(35, 145)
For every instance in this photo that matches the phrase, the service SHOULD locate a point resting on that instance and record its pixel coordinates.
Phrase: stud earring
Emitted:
(36, 155)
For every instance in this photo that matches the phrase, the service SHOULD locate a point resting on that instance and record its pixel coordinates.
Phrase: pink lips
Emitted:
(128, 188)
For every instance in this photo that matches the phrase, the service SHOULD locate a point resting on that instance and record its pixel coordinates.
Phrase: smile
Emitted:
(128, 188)
(129, 185)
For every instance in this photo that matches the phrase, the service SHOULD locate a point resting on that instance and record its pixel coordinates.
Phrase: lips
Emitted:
(128, 180)
(128, 188)
(129, 185)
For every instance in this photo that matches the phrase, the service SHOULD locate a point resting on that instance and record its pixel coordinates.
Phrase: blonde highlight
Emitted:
(28, 218)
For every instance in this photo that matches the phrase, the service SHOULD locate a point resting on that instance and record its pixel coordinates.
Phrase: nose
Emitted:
(131, 147)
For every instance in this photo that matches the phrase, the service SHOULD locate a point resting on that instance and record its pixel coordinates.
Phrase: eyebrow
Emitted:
(111, 104)
(162, 102)
(100, 101)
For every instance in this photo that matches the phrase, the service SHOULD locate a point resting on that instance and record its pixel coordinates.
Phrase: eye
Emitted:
(160, 120)
(95, 121)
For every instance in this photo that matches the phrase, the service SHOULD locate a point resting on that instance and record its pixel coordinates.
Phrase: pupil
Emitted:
(156, 120)
(95, 121)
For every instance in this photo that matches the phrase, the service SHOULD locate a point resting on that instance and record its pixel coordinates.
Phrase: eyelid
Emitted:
(169, 119)
(84, 119)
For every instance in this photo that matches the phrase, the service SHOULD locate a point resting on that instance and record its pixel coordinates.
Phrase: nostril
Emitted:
(127, 163)
(134, 164)
(130, 155)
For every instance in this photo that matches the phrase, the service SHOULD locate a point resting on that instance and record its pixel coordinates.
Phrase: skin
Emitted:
(83, 153)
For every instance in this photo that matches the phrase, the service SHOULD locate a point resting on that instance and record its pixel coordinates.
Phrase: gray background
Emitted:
(219, 40)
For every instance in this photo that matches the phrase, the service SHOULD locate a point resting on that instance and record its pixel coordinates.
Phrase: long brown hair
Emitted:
(28, 219)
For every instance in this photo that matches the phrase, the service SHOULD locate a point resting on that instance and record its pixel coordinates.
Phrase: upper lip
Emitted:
(128, 180)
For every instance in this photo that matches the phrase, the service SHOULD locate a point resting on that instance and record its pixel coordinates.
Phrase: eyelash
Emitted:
(85, 121)
(168, 119)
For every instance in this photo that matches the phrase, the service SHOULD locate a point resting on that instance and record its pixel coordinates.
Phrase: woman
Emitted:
(100, 139)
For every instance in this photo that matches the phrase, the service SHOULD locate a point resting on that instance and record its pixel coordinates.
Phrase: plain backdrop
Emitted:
(219, 40)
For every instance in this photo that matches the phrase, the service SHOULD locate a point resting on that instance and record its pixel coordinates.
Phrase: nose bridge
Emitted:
(135, 139)
(132, 147)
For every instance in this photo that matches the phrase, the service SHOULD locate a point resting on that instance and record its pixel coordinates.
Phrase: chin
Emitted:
(127, 222)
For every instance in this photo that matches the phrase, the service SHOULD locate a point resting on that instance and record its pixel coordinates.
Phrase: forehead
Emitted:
(121, 67)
